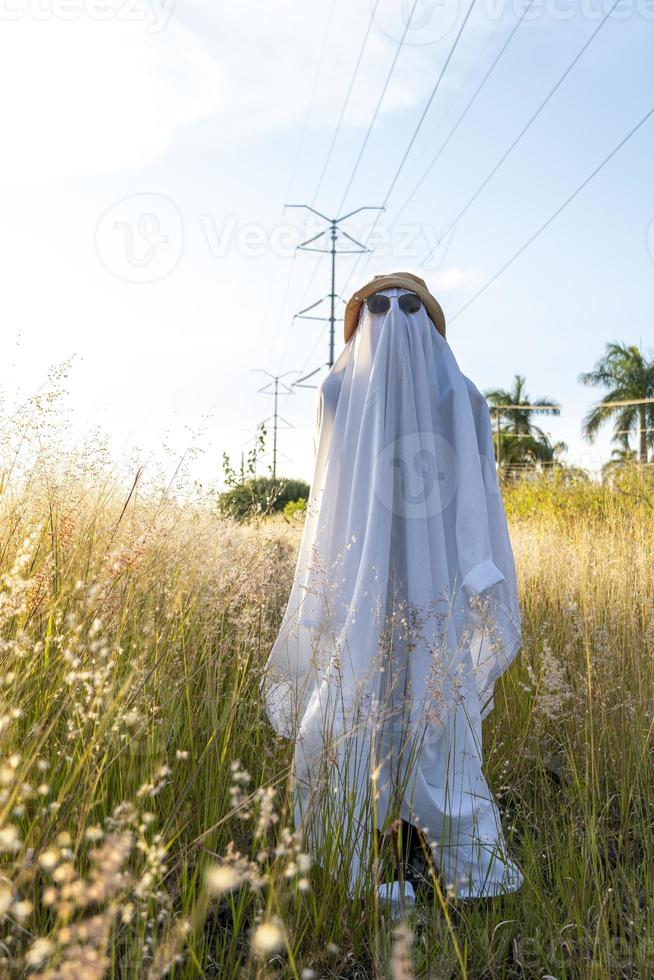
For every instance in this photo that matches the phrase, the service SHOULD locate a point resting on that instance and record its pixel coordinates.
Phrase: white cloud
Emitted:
(97, 94)
(94, 96)
(273, 51)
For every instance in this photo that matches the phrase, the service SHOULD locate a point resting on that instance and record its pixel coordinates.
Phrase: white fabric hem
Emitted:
(508, 886)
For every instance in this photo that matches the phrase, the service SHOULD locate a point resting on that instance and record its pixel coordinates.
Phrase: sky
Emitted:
(149, 149)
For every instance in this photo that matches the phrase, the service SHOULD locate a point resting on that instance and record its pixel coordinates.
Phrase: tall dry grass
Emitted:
(144, 808)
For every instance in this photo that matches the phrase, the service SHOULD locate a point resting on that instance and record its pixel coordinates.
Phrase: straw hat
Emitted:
(398, 280)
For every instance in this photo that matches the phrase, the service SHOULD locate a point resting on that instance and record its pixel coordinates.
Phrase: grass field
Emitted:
(145, 827)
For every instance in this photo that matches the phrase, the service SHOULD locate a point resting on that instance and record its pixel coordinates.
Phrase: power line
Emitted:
(378, 106)
(529, 407)
(330, 150)
(633, 401)
(298, 155)
(522, 132)
(467, 108)
(555, 214)
(421, 120)
(313, 350)
(348, 95)
(282, 307)
(432, 95)
(411, 141)
(370, 126)
(314, 87)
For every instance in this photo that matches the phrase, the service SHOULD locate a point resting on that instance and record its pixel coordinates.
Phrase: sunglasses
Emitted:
(408, 303)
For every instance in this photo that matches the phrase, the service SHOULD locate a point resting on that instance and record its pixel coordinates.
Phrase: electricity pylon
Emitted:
(333, 231)
(273, 388)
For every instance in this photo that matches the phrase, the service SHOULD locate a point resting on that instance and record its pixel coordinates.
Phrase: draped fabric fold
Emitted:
(403, 611)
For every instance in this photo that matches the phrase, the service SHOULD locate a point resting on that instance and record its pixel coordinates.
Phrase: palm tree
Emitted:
(520, 439)
(629, 377)
(623, 456)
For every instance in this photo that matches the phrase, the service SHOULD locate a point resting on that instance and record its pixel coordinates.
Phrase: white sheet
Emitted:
(403, 611)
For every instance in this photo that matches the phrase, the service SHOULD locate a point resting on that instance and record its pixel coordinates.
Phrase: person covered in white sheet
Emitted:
(403, 611)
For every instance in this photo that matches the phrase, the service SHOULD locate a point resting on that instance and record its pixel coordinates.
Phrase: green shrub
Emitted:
(261, 496)
(569, 493)
(295, 507)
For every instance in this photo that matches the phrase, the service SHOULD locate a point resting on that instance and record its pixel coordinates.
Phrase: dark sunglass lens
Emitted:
(378, 303)
(409, 303)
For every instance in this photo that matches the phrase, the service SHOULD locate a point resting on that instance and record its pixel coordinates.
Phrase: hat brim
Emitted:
(394, 281)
